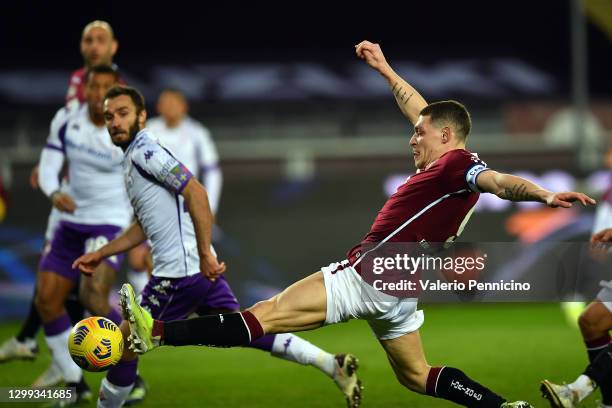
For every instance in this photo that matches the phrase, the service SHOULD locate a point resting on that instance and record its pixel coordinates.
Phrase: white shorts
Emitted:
(349, 297)
(605, 294)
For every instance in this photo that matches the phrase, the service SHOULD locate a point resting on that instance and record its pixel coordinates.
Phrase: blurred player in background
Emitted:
(172, 211)
(94, 208)
(431, 206)
(191, 143)
(98, 47)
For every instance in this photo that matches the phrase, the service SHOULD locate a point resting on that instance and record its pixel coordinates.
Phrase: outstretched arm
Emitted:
(514, 188)
(408, 99)
(131, 237)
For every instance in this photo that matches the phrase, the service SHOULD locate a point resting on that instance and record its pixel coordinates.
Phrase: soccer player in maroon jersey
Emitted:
(432, 206)
(98, 47)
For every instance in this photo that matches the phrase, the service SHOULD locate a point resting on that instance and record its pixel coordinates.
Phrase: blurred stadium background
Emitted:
(311, 142)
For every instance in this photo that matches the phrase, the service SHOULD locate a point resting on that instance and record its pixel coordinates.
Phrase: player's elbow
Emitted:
(491, 182)
(192, 189)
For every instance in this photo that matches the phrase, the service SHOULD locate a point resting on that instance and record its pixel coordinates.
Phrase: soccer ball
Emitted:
(95, 344)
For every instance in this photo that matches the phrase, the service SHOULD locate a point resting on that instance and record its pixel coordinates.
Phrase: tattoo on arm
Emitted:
(400, 94)
(518, 192)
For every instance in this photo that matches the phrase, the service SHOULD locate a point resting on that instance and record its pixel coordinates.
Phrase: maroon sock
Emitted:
(158, 330)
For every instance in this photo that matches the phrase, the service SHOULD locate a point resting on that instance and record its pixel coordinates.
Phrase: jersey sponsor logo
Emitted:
(83, 148)
(287, 344)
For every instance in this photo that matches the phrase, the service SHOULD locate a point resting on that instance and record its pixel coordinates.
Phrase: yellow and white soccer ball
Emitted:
(95, 344)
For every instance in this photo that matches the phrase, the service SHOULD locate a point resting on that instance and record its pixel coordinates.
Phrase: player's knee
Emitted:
(40, 301)
(44, 304)
(93, 299)
(264, 309)
(584, 321)
(592, 322)
(412, 379)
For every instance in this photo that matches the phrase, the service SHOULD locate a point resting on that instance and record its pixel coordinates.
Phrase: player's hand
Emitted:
(373, 55)
(210, 266)
(34, 177)
(600, 244)
(88, 263)
(63, 202)
(566, 199)
(603, 236)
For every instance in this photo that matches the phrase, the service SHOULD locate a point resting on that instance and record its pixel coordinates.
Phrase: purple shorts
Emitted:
(72, 240)
(176, 298)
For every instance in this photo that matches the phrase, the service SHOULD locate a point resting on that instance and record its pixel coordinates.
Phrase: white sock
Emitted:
(138, 279)
(584, 386)
(111, 395)
(293, 348)
(58, 344)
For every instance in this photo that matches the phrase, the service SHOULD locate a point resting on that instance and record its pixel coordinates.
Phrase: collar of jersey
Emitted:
(133, 142)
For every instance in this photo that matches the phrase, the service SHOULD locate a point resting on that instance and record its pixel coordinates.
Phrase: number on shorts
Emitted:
(95, 243)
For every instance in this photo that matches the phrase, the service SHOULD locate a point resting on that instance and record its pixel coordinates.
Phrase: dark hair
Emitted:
(133, 93)
(102, 69)
(450, 113)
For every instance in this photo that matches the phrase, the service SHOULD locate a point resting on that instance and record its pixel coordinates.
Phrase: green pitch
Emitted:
(507, 347)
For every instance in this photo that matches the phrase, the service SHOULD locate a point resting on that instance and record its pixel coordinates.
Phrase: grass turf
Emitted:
(508, 348)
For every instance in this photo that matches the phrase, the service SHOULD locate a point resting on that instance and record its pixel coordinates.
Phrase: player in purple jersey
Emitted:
(446, 185)
(98, 46)
(86, 221)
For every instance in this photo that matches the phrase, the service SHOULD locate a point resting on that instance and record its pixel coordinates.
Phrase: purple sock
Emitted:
(114, 316)
(123, 374)
(264, 343)
(58, 325)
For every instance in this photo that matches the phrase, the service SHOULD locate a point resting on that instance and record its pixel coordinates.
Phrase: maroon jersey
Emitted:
(431, 206)
(76, 86)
